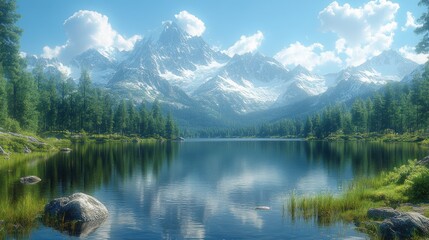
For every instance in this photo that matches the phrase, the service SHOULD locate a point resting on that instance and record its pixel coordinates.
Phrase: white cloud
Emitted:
(409, 52)
(362, 32)
(88, 29)
(66, 71)
(191, 24)
(411, 22)
(52, 52)
(246, 44)
(306, 56)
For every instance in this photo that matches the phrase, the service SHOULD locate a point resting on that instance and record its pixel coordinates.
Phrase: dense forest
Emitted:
(397, 108)
(39, 102)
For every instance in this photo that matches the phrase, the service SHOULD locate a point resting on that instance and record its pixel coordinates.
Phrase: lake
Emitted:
(204, 189)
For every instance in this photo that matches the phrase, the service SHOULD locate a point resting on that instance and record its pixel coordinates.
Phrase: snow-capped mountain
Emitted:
(176, 56)
(304, 84)
(387, 67)
(101, 65)
(186, 73)
(49, 66)
(247, 83)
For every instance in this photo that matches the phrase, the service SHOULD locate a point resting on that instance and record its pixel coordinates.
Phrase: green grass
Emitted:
(387, 136)
(406, 184)
(21, 215)
(16, 143)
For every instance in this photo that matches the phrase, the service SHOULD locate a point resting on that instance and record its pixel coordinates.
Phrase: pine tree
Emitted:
(169, 127)
(143, 117)
(66, 87)
(85, 92)
(423, 45)
(10, 34)
(120, 119)
(359, 116)
(308, 128)
(3, 99)
(23, 100)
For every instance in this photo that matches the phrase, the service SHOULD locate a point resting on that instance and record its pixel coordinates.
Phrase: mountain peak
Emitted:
(172, 34)
(300, 69)
(388, 57)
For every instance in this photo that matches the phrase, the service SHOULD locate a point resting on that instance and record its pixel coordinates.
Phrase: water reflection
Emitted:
(204, 189)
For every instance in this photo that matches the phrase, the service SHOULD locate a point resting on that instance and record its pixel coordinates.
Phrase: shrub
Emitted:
(12, 125)
(418, 185)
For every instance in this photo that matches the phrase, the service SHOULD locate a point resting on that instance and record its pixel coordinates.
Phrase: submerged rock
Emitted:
(30, 180)
(266, 208)
(78, 214)
(65, 149)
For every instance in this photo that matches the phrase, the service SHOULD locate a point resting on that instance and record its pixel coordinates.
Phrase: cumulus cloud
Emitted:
(307, 56)
(411, 22)
(410, 53)
(190, 23)
(246, 44)
(362, 32)
(88, 29)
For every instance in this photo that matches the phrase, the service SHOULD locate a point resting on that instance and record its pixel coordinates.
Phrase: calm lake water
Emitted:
(205, 189)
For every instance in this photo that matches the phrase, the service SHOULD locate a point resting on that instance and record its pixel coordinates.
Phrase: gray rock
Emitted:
(27, 150)
(405, 226)
(382, 213)
(77, 207)
(30, 180)
(65, 149)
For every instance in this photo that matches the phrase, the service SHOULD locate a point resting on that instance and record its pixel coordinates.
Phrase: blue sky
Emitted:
(321, 35)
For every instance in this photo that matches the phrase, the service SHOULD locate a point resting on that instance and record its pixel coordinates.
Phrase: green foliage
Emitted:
(418, 183)
(3, 98)
(9, 39)
(11, 125)
(20, 215)
(423, 45)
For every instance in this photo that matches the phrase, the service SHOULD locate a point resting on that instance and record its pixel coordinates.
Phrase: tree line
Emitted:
(50, 103)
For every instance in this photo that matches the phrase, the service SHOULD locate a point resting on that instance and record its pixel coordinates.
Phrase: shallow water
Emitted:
(205, 189)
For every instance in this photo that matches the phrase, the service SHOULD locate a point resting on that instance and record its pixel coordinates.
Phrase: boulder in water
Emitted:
(30, 180)
(78, 214)
(77, 207)
(65, 149)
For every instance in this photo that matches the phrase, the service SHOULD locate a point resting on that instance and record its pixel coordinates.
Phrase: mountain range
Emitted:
(205, 87)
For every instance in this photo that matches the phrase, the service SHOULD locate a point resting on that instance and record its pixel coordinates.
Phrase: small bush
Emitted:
(12, 125)
(418, 185)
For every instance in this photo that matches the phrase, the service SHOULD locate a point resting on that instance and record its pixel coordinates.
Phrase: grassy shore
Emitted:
(54, 141)
(401, 188)
(20, 216)
(387, 136)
